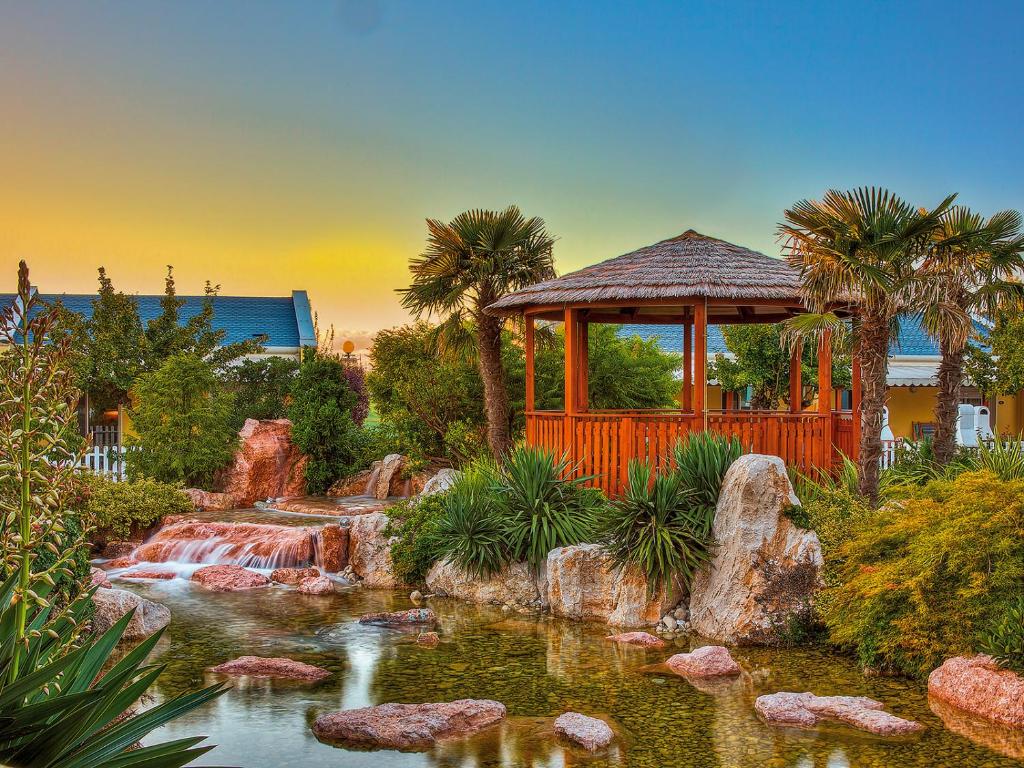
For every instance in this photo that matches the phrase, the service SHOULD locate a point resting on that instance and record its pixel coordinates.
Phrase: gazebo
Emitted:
(692, 281)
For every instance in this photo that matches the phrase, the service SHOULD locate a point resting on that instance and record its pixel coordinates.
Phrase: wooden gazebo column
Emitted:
(700, 361)
(796, 384)
(687, 398)
(825, 399)
(529, 342)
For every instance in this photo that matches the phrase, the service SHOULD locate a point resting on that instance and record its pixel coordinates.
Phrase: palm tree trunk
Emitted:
(496, 406)
(951, 372)
(873, 351)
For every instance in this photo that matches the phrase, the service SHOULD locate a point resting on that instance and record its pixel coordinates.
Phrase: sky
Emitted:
(272, 146)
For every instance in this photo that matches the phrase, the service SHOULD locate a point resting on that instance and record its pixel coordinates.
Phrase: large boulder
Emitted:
(113, 604)
(317, 585)
(584, 583)
(440, 482)
(764, 570)
(978, 685)
(271, 667)
(388, 476)
(515, 585)
(405, 726)
(229, 578)
(332, 548)
(807, 710)
(707, 661)
(369, 552)
(352, 485)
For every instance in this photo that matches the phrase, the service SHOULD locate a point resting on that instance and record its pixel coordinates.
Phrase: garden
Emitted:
(308, 560)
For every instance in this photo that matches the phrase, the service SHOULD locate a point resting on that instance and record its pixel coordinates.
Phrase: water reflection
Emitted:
(537, 666)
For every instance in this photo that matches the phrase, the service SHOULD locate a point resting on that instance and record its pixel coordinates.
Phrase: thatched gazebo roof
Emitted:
(687, 267)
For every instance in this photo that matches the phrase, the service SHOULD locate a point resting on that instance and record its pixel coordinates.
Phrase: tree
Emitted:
(166, 334)
(995, 364)
(860, 248)
(261, 388)
(183, 419)
(761, 361)
(322, 426)
(468, 264)
(970, 270)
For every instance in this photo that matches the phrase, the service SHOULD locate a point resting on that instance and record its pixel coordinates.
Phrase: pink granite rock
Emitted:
(117, 563)
(258, 666)
(707, 661)
(98, 578)
(807, 710)
(405, 726)
(637, 638)
(400, 618)
(293, 576)
(229, 578)
(981, 687)
(317, 585)
(144, 573)
(428, 639)
(588, 732)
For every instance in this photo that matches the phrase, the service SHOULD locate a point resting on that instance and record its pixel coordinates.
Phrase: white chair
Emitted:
(966, 432)
(983, 425)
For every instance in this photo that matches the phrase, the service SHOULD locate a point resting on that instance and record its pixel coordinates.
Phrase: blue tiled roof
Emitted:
(286, 320)
(913, 339)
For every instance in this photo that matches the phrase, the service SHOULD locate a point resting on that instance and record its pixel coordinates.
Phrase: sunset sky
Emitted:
(269, 146)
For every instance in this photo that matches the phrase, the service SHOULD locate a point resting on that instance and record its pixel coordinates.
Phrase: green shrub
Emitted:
(469, 530)
(322, 425)
(261, 388)
(413, 523)
(809, 487)
(1003, 639)
(657, 527)
(124, 509)
(1005, 460)
(541, 510)
(920, 579)
(184, 425)
(702, 459)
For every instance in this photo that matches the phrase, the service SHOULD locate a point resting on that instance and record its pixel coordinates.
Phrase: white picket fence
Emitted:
(108, 462)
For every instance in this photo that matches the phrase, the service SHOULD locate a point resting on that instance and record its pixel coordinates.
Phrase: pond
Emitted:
(537, 666)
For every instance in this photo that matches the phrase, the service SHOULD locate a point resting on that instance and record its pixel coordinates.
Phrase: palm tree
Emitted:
(860, 248)
(972, 269)
(468, 264)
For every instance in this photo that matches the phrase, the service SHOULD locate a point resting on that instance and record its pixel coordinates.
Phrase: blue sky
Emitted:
(270, 146)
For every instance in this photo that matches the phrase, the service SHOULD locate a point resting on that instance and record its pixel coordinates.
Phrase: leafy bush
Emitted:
(124, 509)
(702, 459)
(920, 579)
(413, 524)
(469, 530)
(184, 425)
(541, 510)
(1003, 640)
(322, 425)
(261, 388)
(657, 527)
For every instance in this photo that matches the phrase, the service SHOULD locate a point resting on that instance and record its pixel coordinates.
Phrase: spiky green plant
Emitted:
(656, 526)
(469, 531)
(702, 459)
(1003, 640)
(542, 506)
(1005, 459)
(810, 487)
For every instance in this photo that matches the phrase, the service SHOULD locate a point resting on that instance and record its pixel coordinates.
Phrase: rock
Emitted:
(147, 573)
(428, 639)
(266, 464)
(210, 500)
(807, 710)
(440, 482)
(256, 545)
(584, 583)
(589, 732)
(353, 485)
(669, 622)
(317, 585)
(293, 576)
(637, 638)
(404, 726)
(258, 666)
(112, 604)
(229, 578)
(707, 661)
(120, 562)
(681, 614)
(98, 578)
(115, 549)
(369, 552)
(416, 596)
(388, 473)
(412, 616)
(978, 685)
(765, 570)
(515, 585)
(333, 548)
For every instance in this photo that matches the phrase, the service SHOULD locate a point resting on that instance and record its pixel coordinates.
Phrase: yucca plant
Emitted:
(702, 459)
(1004, 639)
(657, 527)
(469, 531)
(542, 506)
(810, 487)
(1005, 459)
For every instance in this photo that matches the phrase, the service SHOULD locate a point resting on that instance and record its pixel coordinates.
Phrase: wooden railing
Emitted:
(601, 443)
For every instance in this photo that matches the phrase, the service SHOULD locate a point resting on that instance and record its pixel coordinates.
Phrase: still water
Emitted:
(537, 666)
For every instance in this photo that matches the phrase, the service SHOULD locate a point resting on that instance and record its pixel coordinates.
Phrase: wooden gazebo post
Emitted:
(687, 399)
(700, 361)
(529, 342)
(796, 384)
(825, 399)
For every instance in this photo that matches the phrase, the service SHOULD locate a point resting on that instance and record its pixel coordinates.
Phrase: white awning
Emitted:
(913, 374)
